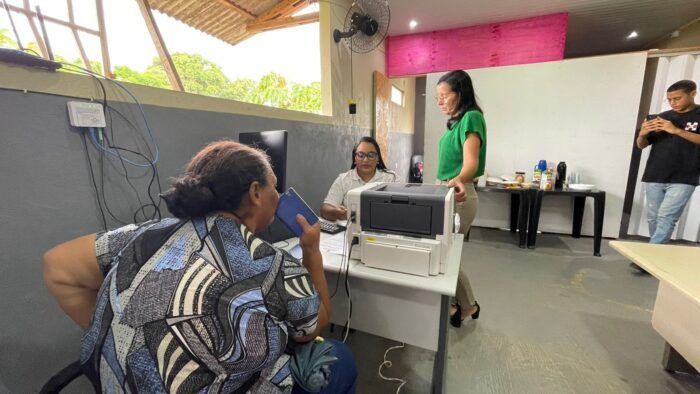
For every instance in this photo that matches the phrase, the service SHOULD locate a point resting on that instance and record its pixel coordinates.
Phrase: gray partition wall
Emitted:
(48, 197)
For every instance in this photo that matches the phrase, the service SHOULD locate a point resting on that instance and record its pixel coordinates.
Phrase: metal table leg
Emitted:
(599, 214)
(674, 362)
(515, 206)
(579, 207)
(534, 221)
(439, 366)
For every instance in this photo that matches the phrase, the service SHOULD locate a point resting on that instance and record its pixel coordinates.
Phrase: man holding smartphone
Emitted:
(673, 168)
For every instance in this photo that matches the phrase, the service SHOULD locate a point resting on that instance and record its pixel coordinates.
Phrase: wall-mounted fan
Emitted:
(366, 25)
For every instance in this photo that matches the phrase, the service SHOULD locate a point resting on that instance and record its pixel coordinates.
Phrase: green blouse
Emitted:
(450, 148)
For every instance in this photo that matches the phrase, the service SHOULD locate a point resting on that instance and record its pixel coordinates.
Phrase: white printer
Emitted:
(404, 227)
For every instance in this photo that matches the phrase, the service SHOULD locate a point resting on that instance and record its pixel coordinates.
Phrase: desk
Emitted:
(401, 307)
(676, 315)
(579, 205)
(520, 200)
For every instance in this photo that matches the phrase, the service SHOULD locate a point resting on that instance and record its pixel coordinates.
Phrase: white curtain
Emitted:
(670, 69)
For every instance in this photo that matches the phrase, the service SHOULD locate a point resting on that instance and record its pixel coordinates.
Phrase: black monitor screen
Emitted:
(274, 143)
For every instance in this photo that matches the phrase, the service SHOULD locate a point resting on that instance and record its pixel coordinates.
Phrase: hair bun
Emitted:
(189, 197)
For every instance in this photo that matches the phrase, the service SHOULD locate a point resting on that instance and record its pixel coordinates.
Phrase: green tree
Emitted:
(273, 91)
(306, 98)
(5, 40)
(151, 77)
(202, 76)
(243, 89)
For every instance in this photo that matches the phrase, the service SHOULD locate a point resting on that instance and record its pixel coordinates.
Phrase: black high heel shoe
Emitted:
(475, 315)
(456, 319)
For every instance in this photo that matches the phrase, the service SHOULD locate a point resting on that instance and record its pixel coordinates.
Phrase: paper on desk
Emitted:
(333, 244)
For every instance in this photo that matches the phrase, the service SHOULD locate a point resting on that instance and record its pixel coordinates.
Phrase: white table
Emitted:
(676, 315)
(402, 307)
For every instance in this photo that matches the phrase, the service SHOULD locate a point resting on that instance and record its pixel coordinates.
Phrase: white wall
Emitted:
(581, 111)
(339, 84)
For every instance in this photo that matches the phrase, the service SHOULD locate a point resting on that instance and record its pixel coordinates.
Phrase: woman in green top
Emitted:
(462, 155)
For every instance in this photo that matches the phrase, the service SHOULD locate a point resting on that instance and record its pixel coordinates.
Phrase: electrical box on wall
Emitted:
(86, 114)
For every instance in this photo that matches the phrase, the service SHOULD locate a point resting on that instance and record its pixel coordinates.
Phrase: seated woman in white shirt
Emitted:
(367, 166)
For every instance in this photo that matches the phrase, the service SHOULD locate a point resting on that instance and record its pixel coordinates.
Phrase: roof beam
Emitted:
(106, 63)
(71, 19)
(281, 23)
(284, 9)
(29, 13)
(37, 35)
(166, 60)
(236, 8)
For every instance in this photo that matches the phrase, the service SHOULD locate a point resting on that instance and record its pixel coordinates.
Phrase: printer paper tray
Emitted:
(404, 259)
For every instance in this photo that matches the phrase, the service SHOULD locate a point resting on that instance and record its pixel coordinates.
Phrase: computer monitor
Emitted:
(274, 143)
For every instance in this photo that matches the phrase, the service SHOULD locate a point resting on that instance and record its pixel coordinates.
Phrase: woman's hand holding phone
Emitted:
(309, 240)
(311, 234)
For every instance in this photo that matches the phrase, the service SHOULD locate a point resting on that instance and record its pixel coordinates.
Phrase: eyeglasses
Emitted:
(369, 156)
(444, 97)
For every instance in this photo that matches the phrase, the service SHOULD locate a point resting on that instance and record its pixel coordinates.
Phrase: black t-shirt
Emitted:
(674, 159)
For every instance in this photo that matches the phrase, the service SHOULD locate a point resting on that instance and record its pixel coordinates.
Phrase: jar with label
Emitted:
(546, 182)
(536, 175)
(520, 177)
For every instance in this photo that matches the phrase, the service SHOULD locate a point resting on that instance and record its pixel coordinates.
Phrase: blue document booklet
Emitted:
(289, 206)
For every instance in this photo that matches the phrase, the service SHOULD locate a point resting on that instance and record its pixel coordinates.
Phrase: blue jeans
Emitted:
(343, 372)
(665, 203)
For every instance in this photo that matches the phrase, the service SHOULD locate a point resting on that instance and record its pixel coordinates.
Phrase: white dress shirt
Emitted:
(350, 180)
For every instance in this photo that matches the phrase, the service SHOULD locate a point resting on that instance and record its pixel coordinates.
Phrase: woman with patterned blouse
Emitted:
(198, 303)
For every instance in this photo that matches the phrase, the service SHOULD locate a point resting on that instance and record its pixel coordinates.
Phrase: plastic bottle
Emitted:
(536, 175)
(561, 175)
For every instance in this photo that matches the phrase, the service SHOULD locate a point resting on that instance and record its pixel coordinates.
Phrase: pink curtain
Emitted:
(522, 41)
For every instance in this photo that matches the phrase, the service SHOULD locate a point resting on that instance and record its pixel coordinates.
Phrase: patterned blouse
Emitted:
(188, 306)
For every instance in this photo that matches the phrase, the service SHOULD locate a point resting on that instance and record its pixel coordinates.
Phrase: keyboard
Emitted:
(331, 228)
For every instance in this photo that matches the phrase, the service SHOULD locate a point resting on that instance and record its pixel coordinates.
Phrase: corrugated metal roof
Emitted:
(229, 20)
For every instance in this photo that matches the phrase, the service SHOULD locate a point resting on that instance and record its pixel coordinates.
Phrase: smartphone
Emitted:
(290, 205)
(652, 116)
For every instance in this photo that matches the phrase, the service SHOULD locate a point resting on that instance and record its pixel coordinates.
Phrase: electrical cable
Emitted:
(346, 328)
(155, 173)
(104, 199)
(136, 101)
(388, 364)
(141, 204)
(94, 184)
(112, 144)
(355, 241)
(128, 180)
(342, 265)
(107, 107)
(114, 150)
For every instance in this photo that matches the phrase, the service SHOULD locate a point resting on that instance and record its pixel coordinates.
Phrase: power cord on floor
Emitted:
(388, 364)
